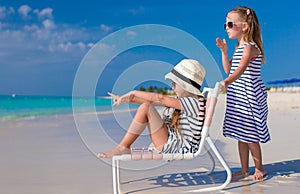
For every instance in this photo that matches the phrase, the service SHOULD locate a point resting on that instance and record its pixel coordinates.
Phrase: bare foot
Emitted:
(240, 175)
(119, 150)
(259, 175)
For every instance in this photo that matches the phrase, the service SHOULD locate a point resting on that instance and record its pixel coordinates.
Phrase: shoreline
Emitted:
(274, 98)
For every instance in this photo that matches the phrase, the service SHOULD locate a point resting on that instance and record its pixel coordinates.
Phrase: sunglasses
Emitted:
(173, 84)
(229, 25)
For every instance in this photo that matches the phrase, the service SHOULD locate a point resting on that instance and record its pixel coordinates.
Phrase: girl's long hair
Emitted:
(253, 33)
(175, 120)
(176, 114)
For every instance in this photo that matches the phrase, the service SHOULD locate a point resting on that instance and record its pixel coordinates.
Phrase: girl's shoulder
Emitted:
(194, 101)
(195, 98)
(193, 105)
(252, 44)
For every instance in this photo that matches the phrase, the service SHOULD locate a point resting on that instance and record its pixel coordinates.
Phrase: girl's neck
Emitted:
(241, 42)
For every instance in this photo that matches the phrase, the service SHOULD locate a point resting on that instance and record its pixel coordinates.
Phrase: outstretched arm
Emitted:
(139, 97)
(159, 99)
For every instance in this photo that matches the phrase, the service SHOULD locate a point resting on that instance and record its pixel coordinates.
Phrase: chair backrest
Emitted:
(211, 101)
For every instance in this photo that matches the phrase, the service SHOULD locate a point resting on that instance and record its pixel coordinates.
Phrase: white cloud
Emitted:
(90, 45)
(32, 43)
(24, 11)
(81, 45)
(49, 24)
(131, 33)
(136, 11)
(32, 27)
(69, 47)
(104, 46)
(42, 34)
(105, 28)
(4, 12)
(40, 38)
(44, 13)
(65, 46)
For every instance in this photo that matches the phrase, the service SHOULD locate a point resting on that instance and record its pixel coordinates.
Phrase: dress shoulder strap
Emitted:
(252, 44)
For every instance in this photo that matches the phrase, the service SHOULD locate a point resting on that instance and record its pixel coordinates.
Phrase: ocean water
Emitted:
(12, 107)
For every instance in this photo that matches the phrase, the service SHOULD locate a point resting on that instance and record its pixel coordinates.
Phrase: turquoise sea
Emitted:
(12, 107)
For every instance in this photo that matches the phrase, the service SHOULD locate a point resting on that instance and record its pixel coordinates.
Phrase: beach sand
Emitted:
(48, 154)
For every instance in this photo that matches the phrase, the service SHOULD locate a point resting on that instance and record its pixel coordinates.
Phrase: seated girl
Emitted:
(179, 131)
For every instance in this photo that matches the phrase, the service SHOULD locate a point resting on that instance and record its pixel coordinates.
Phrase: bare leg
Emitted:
(244, 156)
(146, 113)
(255, 149)
(157, 129)
(134, 131)
(244, 159)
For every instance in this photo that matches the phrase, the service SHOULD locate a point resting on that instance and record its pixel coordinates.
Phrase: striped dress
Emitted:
(191, 121)
(246, 103)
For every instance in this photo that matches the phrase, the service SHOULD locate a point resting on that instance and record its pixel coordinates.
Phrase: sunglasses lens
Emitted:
(173, 84)
(230, 24)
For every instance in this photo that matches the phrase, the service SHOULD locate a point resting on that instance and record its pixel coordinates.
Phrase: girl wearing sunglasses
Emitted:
(246, 101)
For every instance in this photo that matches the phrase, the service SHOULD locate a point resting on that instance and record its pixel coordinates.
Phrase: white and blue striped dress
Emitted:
(246, 103)
(191, 121)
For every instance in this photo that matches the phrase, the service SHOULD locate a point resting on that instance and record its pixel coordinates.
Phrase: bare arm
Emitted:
(224, 48)
(139, 97)
(248, 53)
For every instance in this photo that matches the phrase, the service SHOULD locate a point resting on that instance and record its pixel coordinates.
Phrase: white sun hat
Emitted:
(189, 74)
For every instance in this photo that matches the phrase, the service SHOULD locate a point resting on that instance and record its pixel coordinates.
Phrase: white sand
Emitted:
(47, 155)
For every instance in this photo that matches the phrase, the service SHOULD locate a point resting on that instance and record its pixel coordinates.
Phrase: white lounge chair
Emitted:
(206, 143)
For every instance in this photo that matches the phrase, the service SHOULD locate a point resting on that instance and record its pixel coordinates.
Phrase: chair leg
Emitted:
(116, 176)
(224, 164)
(212, 160)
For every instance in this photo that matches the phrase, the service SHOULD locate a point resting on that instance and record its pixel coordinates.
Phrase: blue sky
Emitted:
(42, 43)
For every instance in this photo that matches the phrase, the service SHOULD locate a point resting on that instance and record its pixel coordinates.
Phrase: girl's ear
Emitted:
(245, 26)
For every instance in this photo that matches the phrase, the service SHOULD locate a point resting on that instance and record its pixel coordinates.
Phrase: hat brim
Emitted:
(186, 86)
